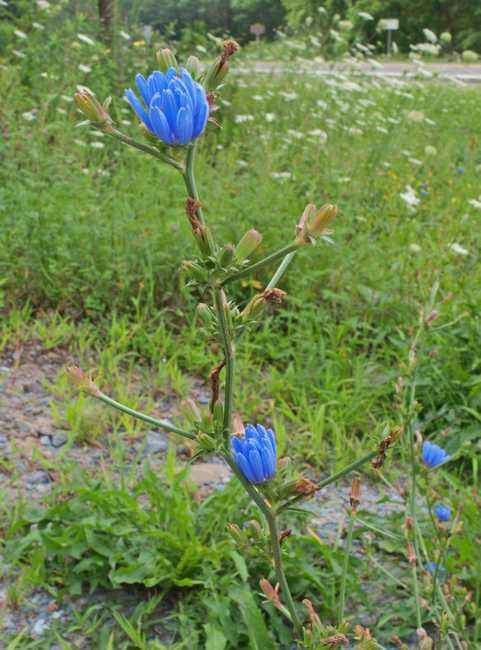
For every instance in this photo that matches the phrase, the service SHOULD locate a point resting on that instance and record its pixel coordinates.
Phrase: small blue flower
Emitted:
(255, 453)
(443, 513)
(433, 455)
(434, 567)
(175, 107)
(460, 170)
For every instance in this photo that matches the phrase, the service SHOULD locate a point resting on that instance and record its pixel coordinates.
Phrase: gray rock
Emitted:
(45, 440)
(156, 443)
(38, 477)
(3, 440)
(39, 627)
(59, 439)
(203, 399)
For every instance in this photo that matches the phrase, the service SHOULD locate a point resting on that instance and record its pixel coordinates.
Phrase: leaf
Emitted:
(240, 565)
(215, 639)
(259, 636)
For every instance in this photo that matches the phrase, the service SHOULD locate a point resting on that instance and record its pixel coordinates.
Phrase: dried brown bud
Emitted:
(270, 593)
(384, 445)
(315, 620)
(305, 486)
(284, 535)
(355, 494)
(268, 296)
(411, 554)
(334, 641)
(78, 377)
(220, 67)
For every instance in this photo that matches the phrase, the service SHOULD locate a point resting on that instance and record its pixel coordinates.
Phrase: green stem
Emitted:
(412, 508)
(281, 576)
(342, 595)
(145, 148)
(162, 424)
(270, 517)
(283, 252)
(334, 477)
(189, 179)
(229, 355)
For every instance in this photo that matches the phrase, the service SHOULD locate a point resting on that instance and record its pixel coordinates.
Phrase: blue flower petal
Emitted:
(201, 117)
(160, 125)
(170, 108)
(184, 125)
(244, 467)
(138, 108)
(143, 87)
(255, 463)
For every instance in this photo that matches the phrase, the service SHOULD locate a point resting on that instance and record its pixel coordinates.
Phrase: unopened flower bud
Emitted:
(220, 67)
(313, 222)
(166, 59)
(90, 106)
(248, 244)
(226, 255)
(193, 66)
(78, 377)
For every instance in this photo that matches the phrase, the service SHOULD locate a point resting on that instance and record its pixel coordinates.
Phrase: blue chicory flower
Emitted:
(176, 107)
(433, 568)
(433, 455)
(255, 453)
(443, 513)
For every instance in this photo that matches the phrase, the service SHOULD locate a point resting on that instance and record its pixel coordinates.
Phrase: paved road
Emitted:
(446, 71)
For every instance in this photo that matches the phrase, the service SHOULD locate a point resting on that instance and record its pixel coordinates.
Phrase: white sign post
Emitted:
(390, 25)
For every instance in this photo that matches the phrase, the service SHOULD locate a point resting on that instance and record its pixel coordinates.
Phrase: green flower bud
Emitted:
(166, 59)
(247, 245)
(90, 106)
(193, 66)
(226, 255)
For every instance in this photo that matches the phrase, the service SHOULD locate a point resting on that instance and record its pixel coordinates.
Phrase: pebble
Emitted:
(59, 439)
(45, 440)
(3, 439)
(155, 443)
(39, 627)
(37, 477)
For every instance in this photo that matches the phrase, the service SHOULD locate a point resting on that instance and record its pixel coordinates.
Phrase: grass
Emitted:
(91, 245)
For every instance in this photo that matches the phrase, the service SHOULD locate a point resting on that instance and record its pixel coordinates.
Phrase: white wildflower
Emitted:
(429, 150)
(84, 68)
(85, 39)
(475, 203)
(430, 36)
(415, 248)
(409, 197)
(457, 249)
(289, 97)
(20, 34)
(281, 175)
(97, 145)
(18, 54)
(38, 26)
(270, 117)
(124, 35)
(30, 116)
(43, 4)
(364, 15)
(239, 119)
